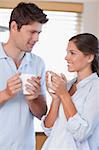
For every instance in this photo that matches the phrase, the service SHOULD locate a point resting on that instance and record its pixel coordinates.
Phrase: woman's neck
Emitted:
(83, 75)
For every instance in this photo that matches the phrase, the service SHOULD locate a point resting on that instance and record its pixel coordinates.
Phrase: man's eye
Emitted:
(39, 32)
(33, 32)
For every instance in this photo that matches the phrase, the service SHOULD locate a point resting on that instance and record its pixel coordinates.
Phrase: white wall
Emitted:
(91, 17)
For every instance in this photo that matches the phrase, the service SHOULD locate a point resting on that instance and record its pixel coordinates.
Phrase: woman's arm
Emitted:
(81, 125)
(68, 105)
(59, 86)
(54, 108)
(52, 114)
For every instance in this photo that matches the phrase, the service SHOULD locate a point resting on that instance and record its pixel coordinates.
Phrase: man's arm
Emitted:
(38, 106)
(4, 97)
(35, 99)
(13, 87)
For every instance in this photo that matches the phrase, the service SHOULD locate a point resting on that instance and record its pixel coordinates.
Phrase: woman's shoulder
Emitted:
(95, 78)
(94, 82)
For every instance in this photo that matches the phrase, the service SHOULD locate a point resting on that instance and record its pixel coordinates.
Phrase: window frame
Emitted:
(53, 6)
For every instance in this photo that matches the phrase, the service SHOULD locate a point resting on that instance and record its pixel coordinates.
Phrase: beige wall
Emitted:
(91, 17)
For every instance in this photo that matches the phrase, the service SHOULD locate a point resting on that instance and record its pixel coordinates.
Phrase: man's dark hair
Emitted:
(27, 13)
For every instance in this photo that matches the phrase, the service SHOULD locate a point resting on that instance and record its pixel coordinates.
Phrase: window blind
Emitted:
(53, 40)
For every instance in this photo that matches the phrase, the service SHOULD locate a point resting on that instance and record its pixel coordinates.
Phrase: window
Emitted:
(4, 23)
(52, 41)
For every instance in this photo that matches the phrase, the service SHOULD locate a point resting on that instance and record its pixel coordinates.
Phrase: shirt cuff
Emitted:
(47, 131)
(75, 122)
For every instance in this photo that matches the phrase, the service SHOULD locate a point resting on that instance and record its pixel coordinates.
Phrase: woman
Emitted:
(72, 122)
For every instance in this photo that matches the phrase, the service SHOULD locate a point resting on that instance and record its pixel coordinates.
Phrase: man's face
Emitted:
(25, 38)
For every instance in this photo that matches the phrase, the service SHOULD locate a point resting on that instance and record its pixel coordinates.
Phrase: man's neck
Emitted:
(16, 54)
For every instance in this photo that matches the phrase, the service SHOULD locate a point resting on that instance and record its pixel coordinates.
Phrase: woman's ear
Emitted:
(91, 58)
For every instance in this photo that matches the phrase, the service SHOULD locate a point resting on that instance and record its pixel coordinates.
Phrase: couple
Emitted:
(72, 122)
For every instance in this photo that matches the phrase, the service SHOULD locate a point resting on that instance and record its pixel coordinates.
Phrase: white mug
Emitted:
(50, 83)
(24, 77)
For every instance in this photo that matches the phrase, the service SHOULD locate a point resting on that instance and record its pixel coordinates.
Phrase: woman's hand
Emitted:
(59, 84)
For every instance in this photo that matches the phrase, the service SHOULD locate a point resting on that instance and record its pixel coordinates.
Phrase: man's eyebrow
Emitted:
(36, 31)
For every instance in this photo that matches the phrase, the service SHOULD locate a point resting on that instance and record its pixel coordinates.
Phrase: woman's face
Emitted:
(76, 60)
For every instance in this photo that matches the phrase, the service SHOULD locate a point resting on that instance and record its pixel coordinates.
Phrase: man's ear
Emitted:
(91, 58)
(13, 26)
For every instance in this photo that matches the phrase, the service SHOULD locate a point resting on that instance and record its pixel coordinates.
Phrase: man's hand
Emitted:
(34, 88)
(14, 85)
(35, 100)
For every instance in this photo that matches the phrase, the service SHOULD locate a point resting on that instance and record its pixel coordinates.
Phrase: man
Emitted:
(17, 111)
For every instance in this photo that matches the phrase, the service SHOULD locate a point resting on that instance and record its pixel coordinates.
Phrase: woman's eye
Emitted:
(73, 53)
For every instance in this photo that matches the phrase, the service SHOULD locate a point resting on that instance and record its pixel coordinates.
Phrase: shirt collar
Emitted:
(2, 52)
(83, 82)
(26, 59)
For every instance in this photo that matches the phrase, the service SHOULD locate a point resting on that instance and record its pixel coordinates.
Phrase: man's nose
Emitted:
(36, 37)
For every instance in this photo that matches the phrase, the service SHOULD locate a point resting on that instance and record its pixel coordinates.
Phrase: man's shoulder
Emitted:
(36, 58)
(2, 53)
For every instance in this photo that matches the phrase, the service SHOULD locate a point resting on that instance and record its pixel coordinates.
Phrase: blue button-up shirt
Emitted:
(16, 120)
(80, 132)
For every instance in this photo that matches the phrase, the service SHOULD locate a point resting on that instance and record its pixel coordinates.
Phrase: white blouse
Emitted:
(80, 132)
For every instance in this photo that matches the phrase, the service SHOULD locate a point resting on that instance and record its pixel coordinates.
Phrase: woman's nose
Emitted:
(66, 57)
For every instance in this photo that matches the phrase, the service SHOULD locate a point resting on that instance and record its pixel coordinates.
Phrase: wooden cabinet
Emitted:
(40, 138)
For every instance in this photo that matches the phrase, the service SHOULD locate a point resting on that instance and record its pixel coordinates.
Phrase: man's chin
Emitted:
(29, 50)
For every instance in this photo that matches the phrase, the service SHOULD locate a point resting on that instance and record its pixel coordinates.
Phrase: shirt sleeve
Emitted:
(47, 131)
(82, 125)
